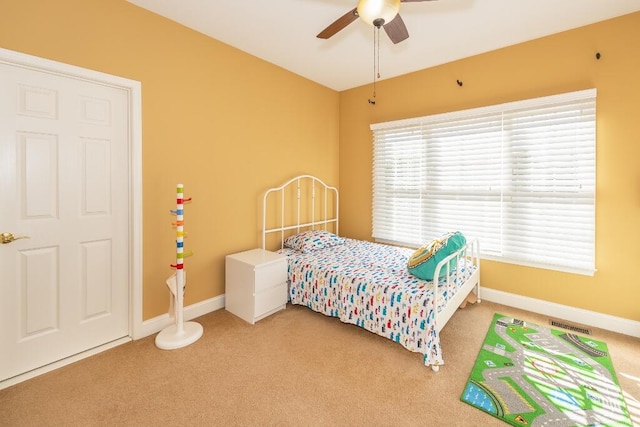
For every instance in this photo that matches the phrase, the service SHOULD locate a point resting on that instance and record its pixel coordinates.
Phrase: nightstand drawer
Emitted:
(271, 299)
(255, 284)
(269, 275)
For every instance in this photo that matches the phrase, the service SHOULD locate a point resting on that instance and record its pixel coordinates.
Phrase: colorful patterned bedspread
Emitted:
(367, 284)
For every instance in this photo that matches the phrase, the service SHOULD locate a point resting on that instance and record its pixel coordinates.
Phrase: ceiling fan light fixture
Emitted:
(378, 12)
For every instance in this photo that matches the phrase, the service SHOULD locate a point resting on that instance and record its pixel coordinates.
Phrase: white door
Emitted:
(64, 171)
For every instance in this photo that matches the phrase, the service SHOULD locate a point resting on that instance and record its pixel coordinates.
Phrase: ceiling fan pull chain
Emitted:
(374, 62)
(378, 43)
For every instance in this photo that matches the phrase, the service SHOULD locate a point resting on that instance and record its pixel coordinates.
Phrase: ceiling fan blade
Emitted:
(396, 30)
(339, 24)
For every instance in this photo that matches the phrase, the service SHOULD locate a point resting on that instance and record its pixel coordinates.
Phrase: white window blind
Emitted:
(519, 176)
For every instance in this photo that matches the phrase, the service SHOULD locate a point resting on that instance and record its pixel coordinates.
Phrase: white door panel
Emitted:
(64, 171)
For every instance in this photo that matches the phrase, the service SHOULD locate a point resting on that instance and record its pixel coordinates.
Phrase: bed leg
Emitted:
(435, 368)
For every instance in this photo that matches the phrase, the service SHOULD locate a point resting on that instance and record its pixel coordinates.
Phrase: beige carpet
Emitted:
(295, 368)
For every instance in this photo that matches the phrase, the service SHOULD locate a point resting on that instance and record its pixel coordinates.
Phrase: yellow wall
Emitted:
(241, 125)
(555, 64)
(225, 124)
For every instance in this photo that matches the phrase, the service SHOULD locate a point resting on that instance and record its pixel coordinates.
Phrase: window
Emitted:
(519, 176)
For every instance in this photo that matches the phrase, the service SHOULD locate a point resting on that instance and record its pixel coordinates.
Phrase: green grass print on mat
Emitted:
(525, 372)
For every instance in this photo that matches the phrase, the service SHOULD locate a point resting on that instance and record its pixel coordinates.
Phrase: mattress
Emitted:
(367, 284)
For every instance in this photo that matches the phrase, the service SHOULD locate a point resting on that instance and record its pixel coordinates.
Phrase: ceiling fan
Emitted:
(379, 13)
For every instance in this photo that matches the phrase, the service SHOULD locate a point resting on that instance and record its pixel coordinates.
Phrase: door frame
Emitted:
(134, 91)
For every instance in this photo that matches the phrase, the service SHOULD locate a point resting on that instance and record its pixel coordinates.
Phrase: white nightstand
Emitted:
(255, 284)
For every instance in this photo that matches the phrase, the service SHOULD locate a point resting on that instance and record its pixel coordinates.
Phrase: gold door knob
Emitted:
(8, 238)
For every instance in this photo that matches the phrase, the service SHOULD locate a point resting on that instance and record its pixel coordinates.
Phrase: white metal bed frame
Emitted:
(470, 252)
(328, 218)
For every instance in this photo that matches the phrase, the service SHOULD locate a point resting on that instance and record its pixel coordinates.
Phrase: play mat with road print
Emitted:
(529, 375)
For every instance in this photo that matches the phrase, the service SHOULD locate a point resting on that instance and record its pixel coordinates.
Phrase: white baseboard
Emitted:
(60, 363)
(564, 312)
(156, 324)
(149, 327)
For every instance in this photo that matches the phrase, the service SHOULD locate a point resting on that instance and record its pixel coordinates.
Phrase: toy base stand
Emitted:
(171, 338)
(182, 333)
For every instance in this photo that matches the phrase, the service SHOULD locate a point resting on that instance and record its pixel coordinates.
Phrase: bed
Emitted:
(360, 282)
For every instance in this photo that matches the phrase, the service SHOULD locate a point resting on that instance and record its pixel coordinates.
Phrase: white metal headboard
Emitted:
(305, 194)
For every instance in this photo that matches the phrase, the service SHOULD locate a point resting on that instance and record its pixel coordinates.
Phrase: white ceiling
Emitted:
(283, 32)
